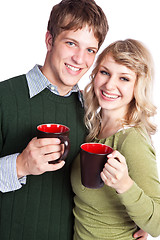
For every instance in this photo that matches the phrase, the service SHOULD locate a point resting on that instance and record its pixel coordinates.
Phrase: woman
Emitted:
(118, 110)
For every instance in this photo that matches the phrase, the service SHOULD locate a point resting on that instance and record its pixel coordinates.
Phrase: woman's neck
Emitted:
(109, 126)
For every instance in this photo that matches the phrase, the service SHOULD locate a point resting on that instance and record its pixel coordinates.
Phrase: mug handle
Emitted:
(66, 142)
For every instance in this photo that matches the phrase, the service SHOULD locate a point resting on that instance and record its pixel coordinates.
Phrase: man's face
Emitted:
(70, 57)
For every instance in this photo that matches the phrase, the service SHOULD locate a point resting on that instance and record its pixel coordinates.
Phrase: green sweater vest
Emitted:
(41, 209)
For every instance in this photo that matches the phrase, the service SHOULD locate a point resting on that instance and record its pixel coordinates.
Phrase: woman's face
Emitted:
(114, 86)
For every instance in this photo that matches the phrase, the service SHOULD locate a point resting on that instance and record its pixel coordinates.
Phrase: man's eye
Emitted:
(91, 50)
(71, 43)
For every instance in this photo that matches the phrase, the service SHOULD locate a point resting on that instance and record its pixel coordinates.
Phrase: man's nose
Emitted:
(78, 56)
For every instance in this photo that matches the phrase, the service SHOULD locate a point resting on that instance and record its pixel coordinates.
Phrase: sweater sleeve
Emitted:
(8, 173)
(142, 200)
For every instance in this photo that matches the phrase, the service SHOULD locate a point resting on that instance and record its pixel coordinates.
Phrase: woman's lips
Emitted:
(109, 95)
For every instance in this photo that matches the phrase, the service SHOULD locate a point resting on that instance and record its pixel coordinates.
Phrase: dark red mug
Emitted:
(93, 157)
(60, 131)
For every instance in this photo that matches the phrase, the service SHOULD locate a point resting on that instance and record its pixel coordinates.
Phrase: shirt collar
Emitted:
(37, 82)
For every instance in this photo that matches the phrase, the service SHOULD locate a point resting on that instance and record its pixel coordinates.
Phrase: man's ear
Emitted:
(48, 41)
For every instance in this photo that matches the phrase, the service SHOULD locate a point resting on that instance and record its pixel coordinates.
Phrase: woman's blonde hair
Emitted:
(134, 55)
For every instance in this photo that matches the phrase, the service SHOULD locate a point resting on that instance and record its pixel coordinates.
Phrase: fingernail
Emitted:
(58, 140)
(110, 155)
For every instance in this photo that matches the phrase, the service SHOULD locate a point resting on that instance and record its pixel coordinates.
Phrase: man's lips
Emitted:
(74, 69)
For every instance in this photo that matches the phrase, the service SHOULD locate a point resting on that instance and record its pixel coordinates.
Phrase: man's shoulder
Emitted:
(13, 82)
(16, 78)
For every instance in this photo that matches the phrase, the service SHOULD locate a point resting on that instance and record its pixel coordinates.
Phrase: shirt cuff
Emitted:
(132, 195)
(135, 201)
(8, 174)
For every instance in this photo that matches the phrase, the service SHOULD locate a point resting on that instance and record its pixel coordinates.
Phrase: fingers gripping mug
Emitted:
(55, 131)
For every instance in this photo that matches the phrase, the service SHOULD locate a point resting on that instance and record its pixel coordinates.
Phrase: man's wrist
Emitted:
(20, 168)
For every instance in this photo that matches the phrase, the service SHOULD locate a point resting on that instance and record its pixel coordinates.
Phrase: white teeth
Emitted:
(73, 68)
(109, 96)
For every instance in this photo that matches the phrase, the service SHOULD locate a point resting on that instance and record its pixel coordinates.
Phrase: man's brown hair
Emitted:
(76, 14)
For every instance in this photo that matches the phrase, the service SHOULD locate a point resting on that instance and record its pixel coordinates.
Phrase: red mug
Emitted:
(93, 157)
(60, 131)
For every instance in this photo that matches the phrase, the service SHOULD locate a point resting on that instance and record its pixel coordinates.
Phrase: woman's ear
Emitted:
(48, 41)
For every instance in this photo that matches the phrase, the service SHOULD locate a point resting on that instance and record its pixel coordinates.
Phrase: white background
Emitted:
(22, 36)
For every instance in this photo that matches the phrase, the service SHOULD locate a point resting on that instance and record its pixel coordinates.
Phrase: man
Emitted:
(36, 197)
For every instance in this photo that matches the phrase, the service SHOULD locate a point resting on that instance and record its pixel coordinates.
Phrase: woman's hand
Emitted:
(115, 173)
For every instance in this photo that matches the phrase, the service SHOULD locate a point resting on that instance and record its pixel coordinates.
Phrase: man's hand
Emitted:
(35, 157)
(140, 234)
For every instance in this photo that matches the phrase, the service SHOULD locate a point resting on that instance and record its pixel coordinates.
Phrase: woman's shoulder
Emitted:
(133, 132)
(133, 135)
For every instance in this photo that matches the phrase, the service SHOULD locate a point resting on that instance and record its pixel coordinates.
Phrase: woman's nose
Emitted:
(110, 83)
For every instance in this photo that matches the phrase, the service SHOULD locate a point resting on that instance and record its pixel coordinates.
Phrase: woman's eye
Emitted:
(104, 72)
(125, 79)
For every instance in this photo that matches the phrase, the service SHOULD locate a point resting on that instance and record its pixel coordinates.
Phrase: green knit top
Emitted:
(104, 214)
(41, 209)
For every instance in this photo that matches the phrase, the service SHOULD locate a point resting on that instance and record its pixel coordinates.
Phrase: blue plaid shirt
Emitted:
(37, 82)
